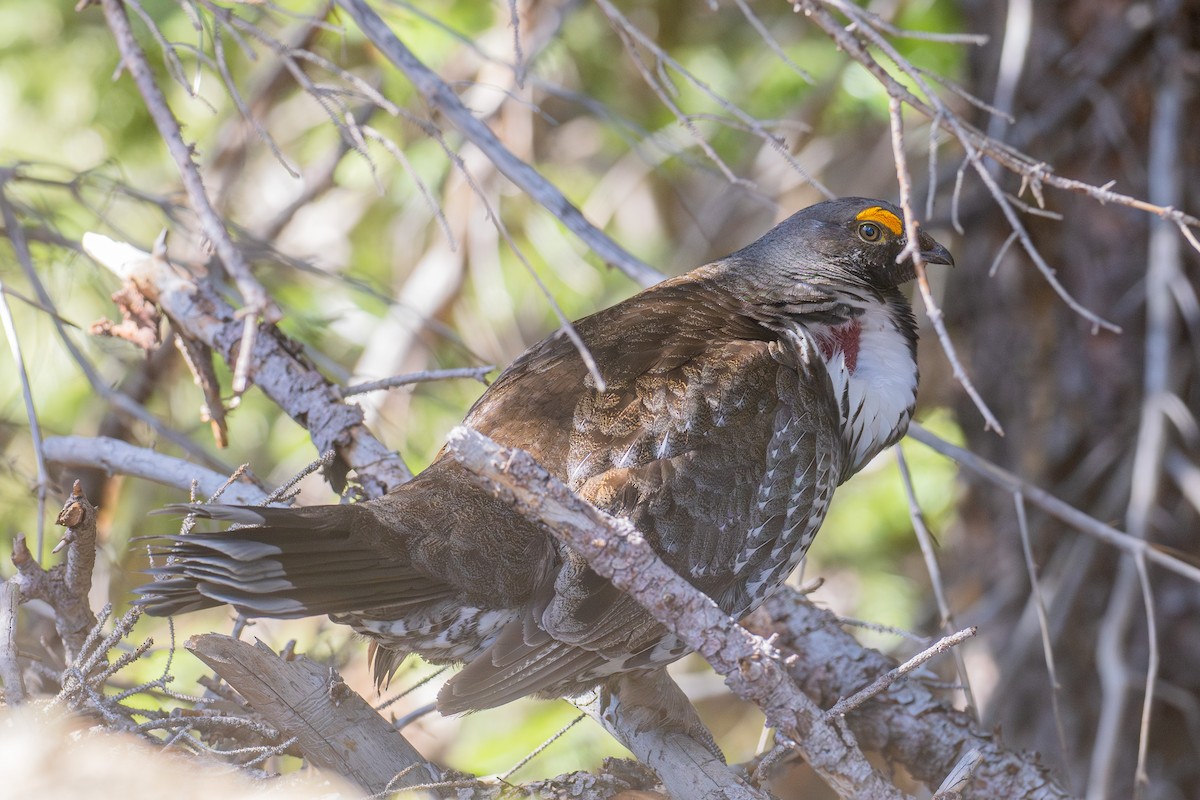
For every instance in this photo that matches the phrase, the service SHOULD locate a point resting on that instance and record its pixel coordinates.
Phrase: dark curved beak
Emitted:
(934, 253)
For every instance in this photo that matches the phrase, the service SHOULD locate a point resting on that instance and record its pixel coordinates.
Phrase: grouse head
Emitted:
(853, 242)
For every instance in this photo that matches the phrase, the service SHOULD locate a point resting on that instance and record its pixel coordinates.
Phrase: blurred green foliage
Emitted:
(87, 157)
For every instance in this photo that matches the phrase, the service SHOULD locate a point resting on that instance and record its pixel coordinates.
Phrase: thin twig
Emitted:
(878, 22)
(1001, 253)
(220, 491)
(958, 778)
(408, 719)
(1141, 776)
(410, 689)
(879, 627)
(134, 60)
(541, 747)
(1113, 669)
(35, 428)
(913, 251)
(926, 543)
(626, 27)
(476, 373)
(663, 94)
(566, 327)
(404, 162)
(764, 33)
(880, 684)
(982, 105)
(243, 109)
(440, 96)
(287, 490)
(1039, 604)
(519, 63)
(1052, 505)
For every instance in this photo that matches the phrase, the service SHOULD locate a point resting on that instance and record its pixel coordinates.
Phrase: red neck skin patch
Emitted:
(845, 339)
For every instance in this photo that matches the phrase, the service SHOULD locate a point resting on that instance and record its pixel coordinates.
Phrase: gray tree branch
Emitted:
(64, 586)
(439, 95)
(276, 366)
(121, 458)
(753, 668)
(334, 727)
(908, 723)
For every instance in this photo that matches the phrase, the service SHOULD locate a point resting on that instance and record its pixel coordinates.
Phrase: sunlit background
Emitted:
(385, 260)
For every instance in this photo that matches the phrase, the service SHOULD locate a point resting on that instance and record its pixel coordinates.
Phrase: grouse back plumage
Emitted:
(738, 396)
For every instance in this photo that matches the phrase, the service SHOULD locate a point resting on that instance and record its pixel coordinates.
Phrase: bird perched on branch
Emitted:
(738, 397)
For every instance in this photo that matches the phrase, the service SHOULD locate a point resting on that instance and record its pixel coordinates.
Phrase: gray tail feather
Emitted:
(289, 563)
(510, 669)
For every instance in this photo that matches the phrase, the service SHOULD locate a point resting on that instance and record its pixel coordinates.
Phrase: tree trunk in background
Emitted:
(1094, 72)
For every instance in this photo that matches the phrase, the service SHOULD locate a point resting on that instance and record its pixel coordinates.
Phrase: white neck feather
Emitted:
(876, 399)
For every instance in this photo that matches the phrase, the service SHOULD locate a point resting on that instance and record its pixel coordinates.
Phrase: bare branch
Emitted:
(65, 586)
(1052, 505)
(294, 384)
(439, 95)
(10, 665)
(476, 373)
(121, 458)
(908, 723)
(650, 715)
(844, 706)
(134, 60)
(334, 727)
(617, 551)
(913, 251)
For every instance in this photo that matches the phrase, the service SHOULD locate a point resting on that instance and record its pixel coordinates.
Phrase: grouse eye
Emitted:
(870, 232)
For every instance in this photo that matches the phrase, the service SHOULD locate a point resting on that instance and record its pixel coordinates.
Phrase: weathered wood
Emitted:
(66, 585)
(336, 729)
(752, 667)
(277, 365)
(10, 667)
(121, 458)
(651, 715)
(908, 722)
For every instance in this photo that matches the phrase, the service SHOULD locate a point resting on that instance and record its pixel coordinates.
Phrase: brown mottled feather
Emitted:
(721, 435)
